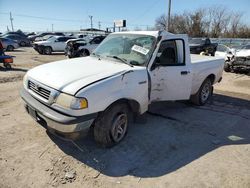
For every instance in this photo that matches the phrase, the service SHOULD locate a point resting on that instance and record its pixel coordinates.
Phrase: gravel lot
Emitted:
(177, 144)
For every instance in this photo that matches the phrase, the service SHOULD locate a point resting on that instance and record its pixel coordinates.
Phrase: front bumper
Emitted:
(54, 119)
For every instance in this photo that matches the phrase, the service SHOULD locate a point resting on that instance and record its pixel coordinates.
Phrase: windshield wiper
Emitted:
(96, 55)
(121, 59)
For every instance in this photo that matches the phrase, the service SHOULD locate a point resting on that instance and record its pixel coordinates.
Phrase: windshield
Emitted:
(132, 48)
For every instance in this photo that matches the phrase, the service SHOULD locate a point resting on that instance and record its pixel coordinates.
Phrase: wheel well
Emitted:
(132, 104)
(211, 77)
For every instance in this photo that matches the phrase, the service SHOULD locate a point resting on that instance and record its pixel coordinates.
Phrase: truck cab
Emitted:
(125, 74)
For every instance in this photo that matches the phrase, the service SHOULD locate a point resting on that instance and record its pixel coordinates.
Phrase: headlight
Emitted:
(25, 81)
(72, 102)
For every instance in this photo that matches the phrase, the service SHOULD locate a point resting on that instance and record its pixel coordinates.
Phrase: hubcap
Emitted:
(205, 92)
(119, 127)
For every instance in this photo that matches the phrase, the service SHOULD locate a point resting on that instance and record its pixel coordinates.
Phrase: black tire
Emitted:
(47, 50)
(7, 66)
(111, 126)
(227, 67)
(204, 93)
(84, 53)
(10, 48)
(22, 43)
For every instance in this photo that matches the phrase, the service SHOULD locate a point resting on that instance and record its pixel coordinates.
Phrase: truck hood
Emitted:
(71, 75)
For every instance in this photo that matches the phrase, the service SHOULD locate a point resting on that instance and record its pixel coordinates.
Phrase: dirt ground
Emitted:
(179, 145)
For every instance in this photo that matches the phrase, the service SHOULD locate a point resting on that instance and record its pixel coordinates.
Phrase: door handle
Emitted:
(185, 72)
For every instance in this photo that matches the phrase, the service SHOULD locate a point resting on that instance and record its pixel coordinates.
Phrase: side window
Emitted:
(96, 41)
(61, 39)
(171, 53)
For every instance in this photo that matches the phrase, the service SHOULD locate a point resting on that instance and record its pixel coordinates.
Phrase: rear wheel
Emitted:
(10, 48)
(112, 125)
(47, 50)
(204, 93)
(22, 43)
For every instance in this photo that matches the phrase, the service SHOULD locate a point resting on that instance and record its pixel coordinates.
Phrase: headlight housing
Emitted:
(71, 102)
(25, 81)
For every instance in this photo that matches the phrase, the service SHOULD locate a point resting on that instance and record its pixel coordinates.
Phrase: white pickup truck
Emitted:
(126, 73)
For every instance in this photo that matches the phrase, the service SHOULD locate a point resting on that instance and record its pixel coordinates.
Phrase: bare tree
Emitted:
(215, 21)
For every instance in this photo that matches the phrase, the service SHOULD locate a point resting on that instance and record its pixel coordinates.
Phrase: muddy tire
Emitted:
(204, 93)
(111, 126)
(47, 50)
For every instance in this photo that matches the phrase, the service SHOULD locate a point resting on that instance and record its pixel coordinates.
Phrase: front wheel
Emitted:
(111, 126)
(47, 50)
(204, 93)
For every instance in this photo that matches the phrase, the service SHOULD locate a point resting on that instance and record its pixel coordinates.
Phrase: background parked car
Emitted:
(40, 36)
(198, 45)
(223, 50)
(81, 49)
(240, 60)
(9, 44)
(53, 44)
(21, 40)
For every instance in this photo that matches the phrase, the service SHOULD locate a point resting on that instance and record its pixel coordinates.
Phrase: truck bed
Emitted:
(202, 67)
(202, 58)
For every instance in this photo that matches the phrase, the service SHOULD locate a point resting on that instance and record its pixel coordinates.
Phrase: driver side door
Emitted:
(170, 73)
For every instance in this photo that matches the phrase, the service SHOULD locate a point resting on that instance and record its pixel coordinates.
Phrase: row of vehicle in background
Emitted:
(73, 47)
(202, 45)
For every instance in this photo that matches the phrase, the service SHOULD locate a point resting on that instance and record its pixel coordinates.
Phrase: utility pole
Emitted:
(99, 25)
(11, 21)
(52, 27)
(91, 22)
(169, 12)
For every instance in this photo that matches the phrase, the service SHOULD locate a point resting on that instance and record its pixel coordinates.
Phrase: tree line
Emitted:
(215, 21)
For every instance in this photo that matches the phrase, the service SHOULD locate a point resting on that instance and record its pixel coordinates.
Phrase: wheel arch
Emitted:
(133, 105)
(211, 77)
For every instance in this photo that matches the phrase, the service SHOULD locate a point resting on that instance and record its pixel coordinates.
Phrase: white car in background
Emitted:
(52, 44)
(223, 51)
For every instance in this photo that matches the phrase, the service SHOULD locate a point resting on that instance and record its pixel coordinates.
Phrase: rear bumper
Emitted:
(56, 120)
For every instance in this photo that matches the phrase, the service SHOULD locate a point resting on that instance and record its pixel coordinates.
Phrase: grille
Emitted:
(44, 93)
